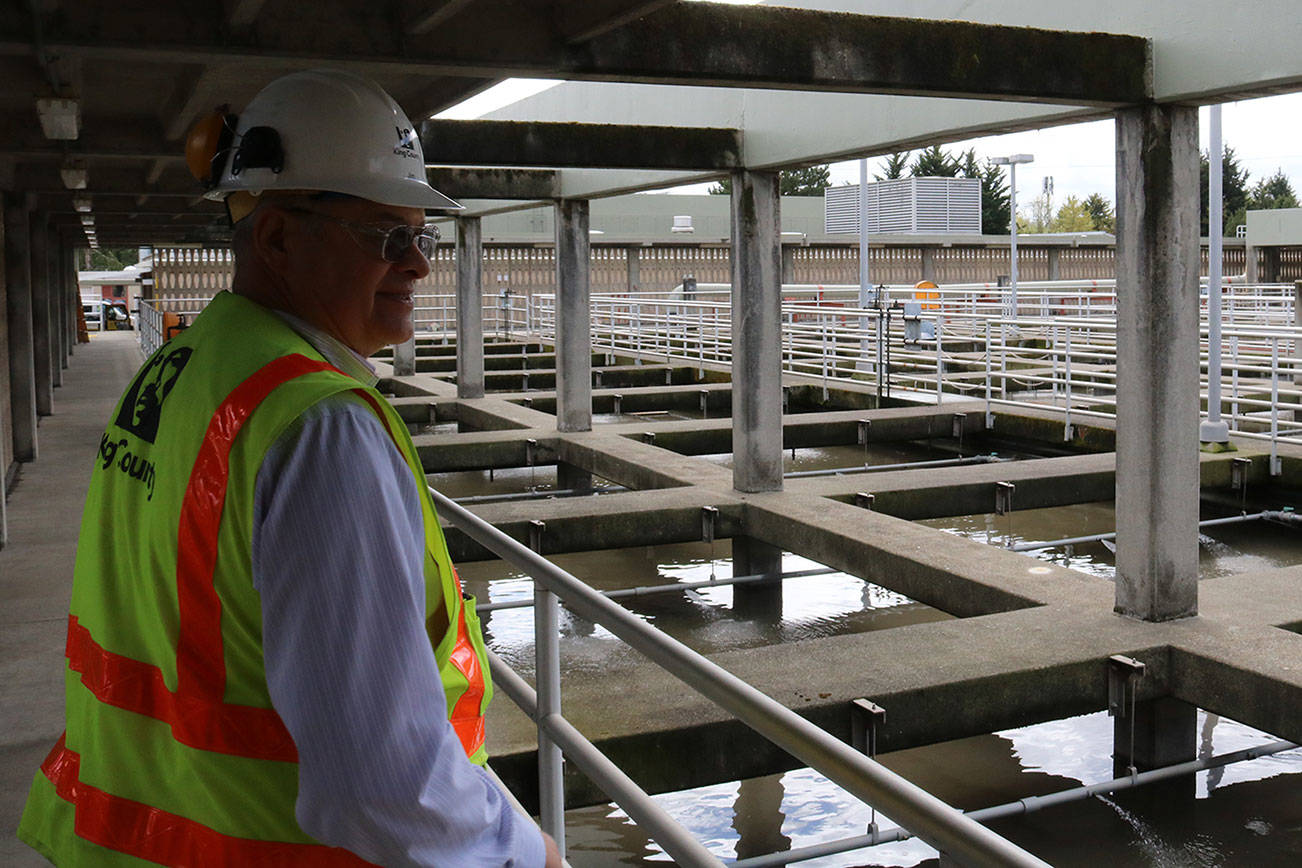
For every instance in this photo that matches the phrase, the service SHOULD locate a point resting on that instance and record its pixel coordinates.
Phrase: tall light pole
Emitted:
(1012, 163)
(1214, 433)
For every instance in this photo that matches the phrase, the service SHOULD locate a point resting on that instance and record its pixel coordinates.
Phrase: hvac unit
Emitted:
(925, 206)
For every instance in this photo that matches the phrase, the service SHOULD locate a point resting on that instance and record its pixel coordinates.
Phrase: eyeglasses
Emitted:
(394, 240)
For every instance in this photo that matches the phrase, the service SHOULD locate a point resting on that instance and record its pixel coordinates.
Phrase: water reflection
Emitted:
(1223, 550)
(1249, 813)
(708, 619)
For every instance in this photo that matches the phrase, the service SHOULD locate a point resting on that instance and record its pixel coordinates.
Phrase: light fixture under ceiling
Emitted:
(74, 175)
(81, 203)
(60, 118)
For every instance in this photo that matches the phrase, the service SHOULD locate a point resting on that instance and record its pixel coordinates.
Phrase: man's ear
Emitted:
(268, 237)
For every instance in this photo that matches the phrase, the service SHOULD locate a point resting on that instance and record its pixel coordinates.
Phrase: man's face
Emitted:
(337, 279)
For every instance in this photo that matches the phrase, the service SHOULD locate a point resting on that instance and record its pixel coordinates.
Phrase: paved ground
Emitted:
(44, 514)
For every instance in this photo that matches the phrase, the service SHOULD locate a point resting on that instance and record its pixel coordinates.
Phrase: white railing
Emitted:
(958, 342)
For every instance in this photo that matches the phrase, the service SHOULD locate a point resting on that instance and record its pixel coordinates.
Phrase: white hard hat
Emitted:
(330, 131)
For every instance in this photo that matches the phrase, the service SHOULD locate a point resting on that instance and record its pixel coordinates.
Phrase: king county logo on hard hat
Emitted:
(406, 143)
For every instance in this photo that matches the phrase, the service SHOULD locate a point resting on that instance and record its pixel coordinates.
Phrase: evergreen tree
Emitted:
(112, 259)
(1072, 216)
(1102, 219)
(894, 166)
(1272, 192)
(809, 181)
(934, 162)
(1234, 190)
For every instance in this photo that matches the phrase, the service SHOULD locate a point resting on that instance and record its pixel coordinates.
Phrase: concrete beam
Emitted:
(757, 332)
(18, 306)
(573, 339)
(592, 146)
(42, 303)
(496, 183)
(103, 137)
(685, 43)
(470, 308)
(1157, 362)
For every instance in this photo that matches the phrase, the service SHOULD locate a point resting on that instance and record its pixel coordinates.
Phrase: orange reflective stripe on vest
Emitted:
(149, 833)
(197, 711)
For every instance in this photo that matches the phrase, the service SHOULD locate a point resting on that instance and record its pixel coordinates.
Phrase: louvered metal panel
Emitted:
(932, 206)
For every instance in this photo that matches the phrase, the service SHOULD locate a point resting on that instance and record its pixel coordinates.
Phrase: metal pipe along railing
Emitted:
(1100, 537)
(931, 819)
(1029, 805)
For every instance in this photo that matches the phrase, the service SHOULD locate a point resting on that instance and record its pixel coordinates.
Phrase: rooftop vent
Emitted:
(682, 223)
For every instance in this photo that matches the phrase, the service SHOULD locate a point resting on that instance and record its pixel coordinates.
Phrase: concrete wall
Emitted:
(1281, 227)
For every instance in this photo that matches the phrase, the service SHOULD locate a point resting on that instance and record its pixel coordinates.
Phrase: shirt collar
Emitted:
(335, 351)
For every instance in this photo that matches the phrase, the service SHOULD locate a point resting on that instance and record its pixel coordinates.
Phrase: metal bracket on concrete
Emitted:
(1239, 468)
(1004, 497)
(864, 425)
(649, 437)
(669, 376)
(528, 402)
(709, 523)
(864, 500)
(526, 382)
(618, 405)
(705, 403)
(530, 451)
(959, 419)
(1123, 678)
(536, 528)
(865, 717)
(596, 379)
(786, 399)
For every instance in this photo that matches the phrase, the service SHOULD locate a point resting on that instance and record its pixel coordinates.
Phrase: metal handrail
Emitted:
(930, 818)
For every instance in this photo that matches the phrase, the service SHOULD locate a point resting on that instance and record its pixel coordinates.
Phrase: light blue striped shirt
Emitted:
(338, 545)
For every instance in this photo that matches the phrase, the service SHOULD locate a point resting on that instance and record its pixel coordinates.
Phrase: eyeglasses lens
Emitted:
(400, 238)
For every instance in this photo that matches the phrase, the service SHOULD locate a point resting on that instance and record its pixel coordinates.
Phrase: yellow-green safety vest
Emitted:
(173, 753)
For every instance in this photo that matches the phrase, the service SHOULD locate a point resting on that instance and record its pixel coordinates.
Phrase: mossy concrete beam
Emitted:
(575, 145)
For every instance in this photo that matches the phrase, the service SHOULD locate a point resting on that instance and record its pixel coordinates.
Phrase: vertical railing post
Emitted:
(547, 667)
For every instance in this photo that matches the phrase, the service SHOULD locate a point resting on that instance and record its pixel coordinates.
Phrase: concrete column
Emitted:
(633, 258)
(73, 289)
(1271, 271)
(1055, 254)
(42, 321)
(756, 333)
(788, 263)
(1157, 362)
(929, 264)
(404, 357)
(1163, 731)
(573, 329)
(58, 304)
(1250, 270)
(18, 306)
(758, 600)
(470, 308)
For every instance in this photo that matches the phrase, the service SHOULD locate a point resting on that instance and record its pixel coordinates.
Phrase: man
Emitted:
(254, 669)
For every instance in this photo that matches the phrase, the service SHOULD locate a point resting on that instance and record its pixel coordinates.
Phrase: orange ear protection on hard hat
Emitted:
(210, 141)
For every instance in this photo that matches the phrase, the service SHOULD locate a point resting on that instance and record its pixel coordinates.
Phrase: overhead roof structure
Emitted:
(759, 86)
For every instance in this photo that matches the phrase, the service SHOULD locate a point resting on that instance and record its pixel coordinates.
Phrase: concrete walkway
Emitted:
(44, 514)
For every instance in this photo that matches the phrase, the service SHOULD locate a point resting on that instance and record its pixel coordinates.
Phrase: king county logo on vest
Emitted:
(143, 405)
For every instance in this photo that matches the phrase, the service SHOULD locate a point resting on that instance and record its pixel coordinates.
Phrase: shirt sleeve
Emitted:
(338, 548)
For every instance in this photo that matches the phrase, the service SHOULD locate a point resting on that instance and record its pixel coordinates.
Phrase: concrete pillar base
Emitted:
(1164, 733)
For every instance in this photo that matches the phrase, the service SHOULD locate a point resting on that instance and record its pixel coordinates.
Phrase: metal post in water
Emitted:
(1214, 433)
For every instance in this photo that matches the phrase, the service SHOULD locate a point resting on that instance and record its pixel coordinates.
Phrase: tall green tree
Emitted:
(894, 167)
(1072, 216)
(809, 181)
(1273, 192)
(1102, 218)
(112, 258)
(934, 162)
(1234, 190)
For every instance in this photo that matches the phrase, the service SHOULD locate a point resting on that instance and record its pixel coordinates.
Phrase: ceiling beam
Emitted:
(583, 21)
(592, 146)
(102, 137)
(242, 13)
(496, 183)
(424, 19)
(684, 43)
